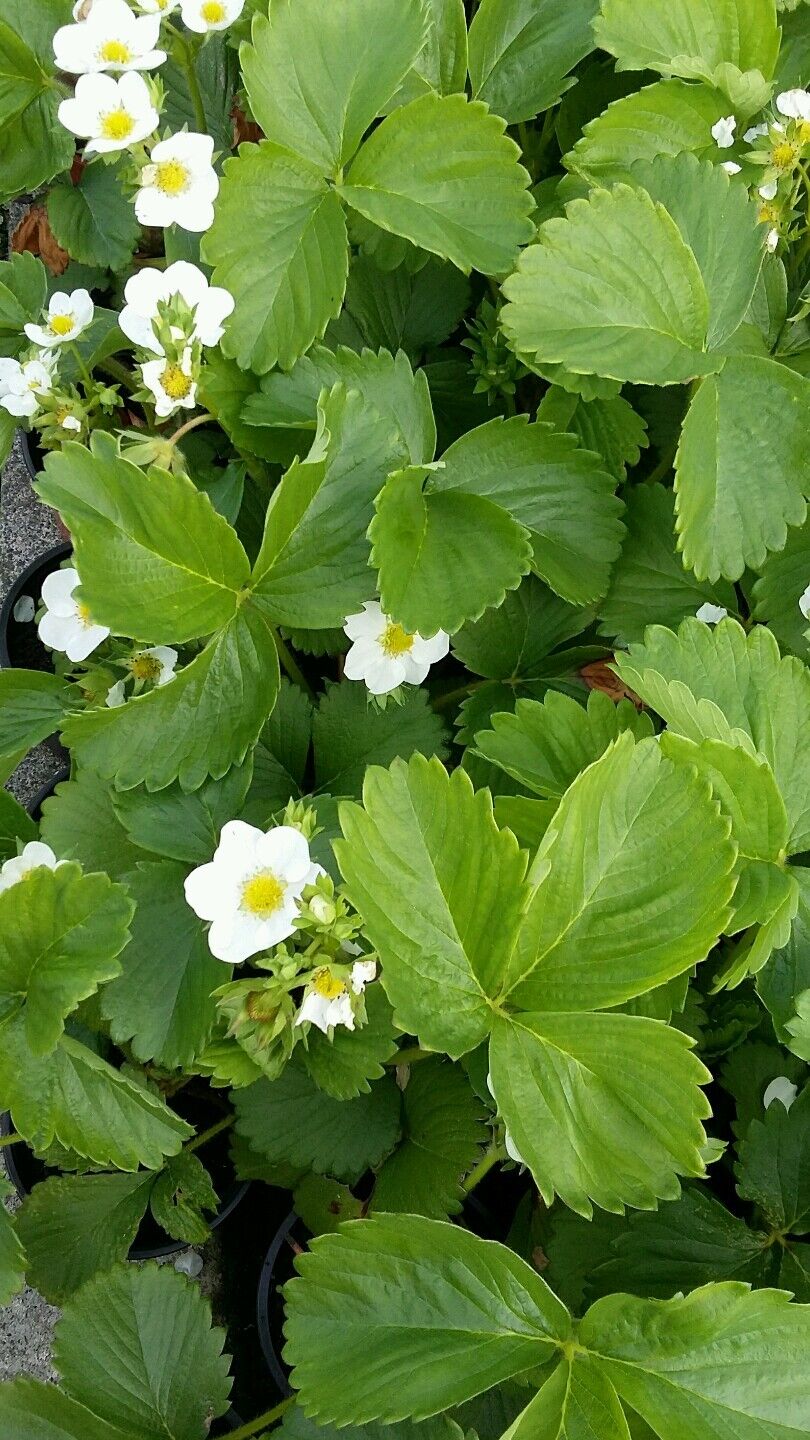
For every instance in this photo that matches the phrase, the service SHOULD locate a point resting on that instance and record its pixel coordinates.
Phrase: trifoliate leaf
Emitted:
(666, 118)
(742, 473)
(95, 219)
(12, 1255)
(781, 585)
(312, 568)
(649, 584)
(136, 1346)
(443, 556)
(182, 1193)
(611, 917)
(522, 53)
(690, 37)
(650, 325)
(545, 745)
(577, 1401)
(76, 1226)
(180, 826)
(350, 734)
(704, 1364)
(33, 704)
(79, 823)
(161, 1002)
(443, 1123)
(719, 683)
(773, 1169)
(344, 1065)
(156, 560)
(442, 173)
(609, 426)
(61, 933)
(317, 74)
(200, 725)
(291, 1121)
(483, 1316)
(602, 1108)
(442, 62)
(287, 269)
(441, 891)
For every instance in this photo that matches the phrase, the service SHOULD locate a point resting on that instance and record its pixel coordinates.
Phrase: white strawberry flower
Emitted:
(205, 15)
(146, 290)
(804, 603)
(68, 317)
(711, 614)
(179, 185)
(22, 386)
(35, 856)
(385, 655)
(327, 998)
(172, 382)
(794, 104)
(67, 624)
(110, 114)
(251, 889)
(156, 665)
(723, 131)
(111, 37)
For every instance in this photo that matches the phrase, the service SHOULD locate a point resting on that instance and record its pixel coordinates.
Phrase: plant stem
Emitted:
(261, 1422)
(118, 372)
(493, 1157)
(200, 1140)
(444, 702)
(290, 665)
(190, 425)
(194, 88)
(11, 1139)
(83, 370)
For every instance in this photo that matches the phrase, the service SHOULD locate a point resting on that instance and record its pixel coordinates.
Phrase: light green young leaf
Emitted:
(577, 1402)
(444, 1129)
(60, 935)
(725, 1360)
(602, 1108)
(742, 475)
(441, 891)
(12, 1255)
(442, 62)
(201, 724)
(182, 1196)
(690, 37)
(649, 326)
(161, 1001)
(136, 1346)
(773, 1169)
(76, 1226)
(719, 683)
(666, 119)
(484, 1315)
(179, 826)
(350, 734)
(544, 745)
(780, 586)
(318, 72)
(612, 916)
(443, 556)
(94, 220)
(79, 823)
(442, 172)
(313, 566)
(157, 562)
(287, 269)
(522, 52)
(23, 291)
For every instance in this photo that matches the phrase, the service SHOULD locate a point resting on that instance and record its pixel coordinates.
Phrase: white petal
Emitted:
(234, 938)
(362, 654)
(731, 167)
(804, 603)
(20, 405)
(211, 313)
(415, 672)
(429, 651)
(238, 843)
(723, 131)
(315, 1010)
(369, 623)
(754, 133)
(57, 591)
(24, 610)
(363, 972)
(286, 851)
(84, 641)
(795, 104)
(780, 1089)
(187, 280)
(384, 675)
(203, 891)
(711, 614)
(116, 696)
(769, 190)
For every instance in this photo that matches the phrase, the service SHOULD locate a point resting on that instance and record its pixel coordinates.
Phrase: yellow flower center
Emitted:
(769, 214)
(61, 324)
(176, 382)
(83, 612)
(145, 667)
(262, 895)
(803, 131)
(115, 52)
(784, 156)
(171, 177)
(326, 984)
(117, 125)
(213, 12)
(395, 640)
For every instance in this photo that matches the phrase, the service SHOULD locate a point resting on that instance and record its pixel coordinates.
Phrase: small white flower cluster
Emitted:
(24, 383)
(173, 314)
(787, 138)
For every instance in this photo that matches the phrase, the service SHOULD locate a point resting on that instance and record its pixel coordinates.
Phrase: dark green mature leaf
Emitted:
(95, 219)
(297, 1426)
(137, 1348)
(12, 1255)
(441, 891)
(649, 583)
(33, 704)
(483, 1316)
(444, 1128)
(60, 935)
(399, 309)
(290, 1120)
(607, 425)
(742, 474)
(15, 825)
(350, 734)
(649, 326)
(225, 390)
(786, 976)
(157, 562)
(522, 52)
(724, 1360)
(75, 1226)
(180, 826)
(217, 70)
(345, 1065)
(201, 724)
(312, 569)
(30, 1409)
(33, 145)
(79, 823)
(441, 172)
(779, 588)
(182, 1192)
(603, 1108)
(773, 1169)
(161, 1002)
(690, 37)
(577, 1402)
(318, 73)
(23, 291)
(287, 269)
(517, 639)
(666, 118)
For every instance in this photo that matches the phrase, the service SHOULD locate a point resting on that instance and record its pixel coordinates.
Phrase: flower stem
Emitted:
(11, 1139)
(262, 1422)
(118, 372)
(190, 425)
(291, 667)
(83, 370)
(493, 1157)
(194, 88)
(209, 1134)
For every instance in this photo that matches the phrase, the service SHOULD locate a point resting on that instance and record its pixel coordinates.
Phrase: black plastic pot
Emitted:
(34, 807)
(31, 453)
(276, 1271)
(20, 645)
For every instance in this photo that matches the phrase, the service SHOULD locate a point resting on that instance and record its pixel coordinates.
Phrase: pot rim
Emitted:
(54, 554)
(266, 1283)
